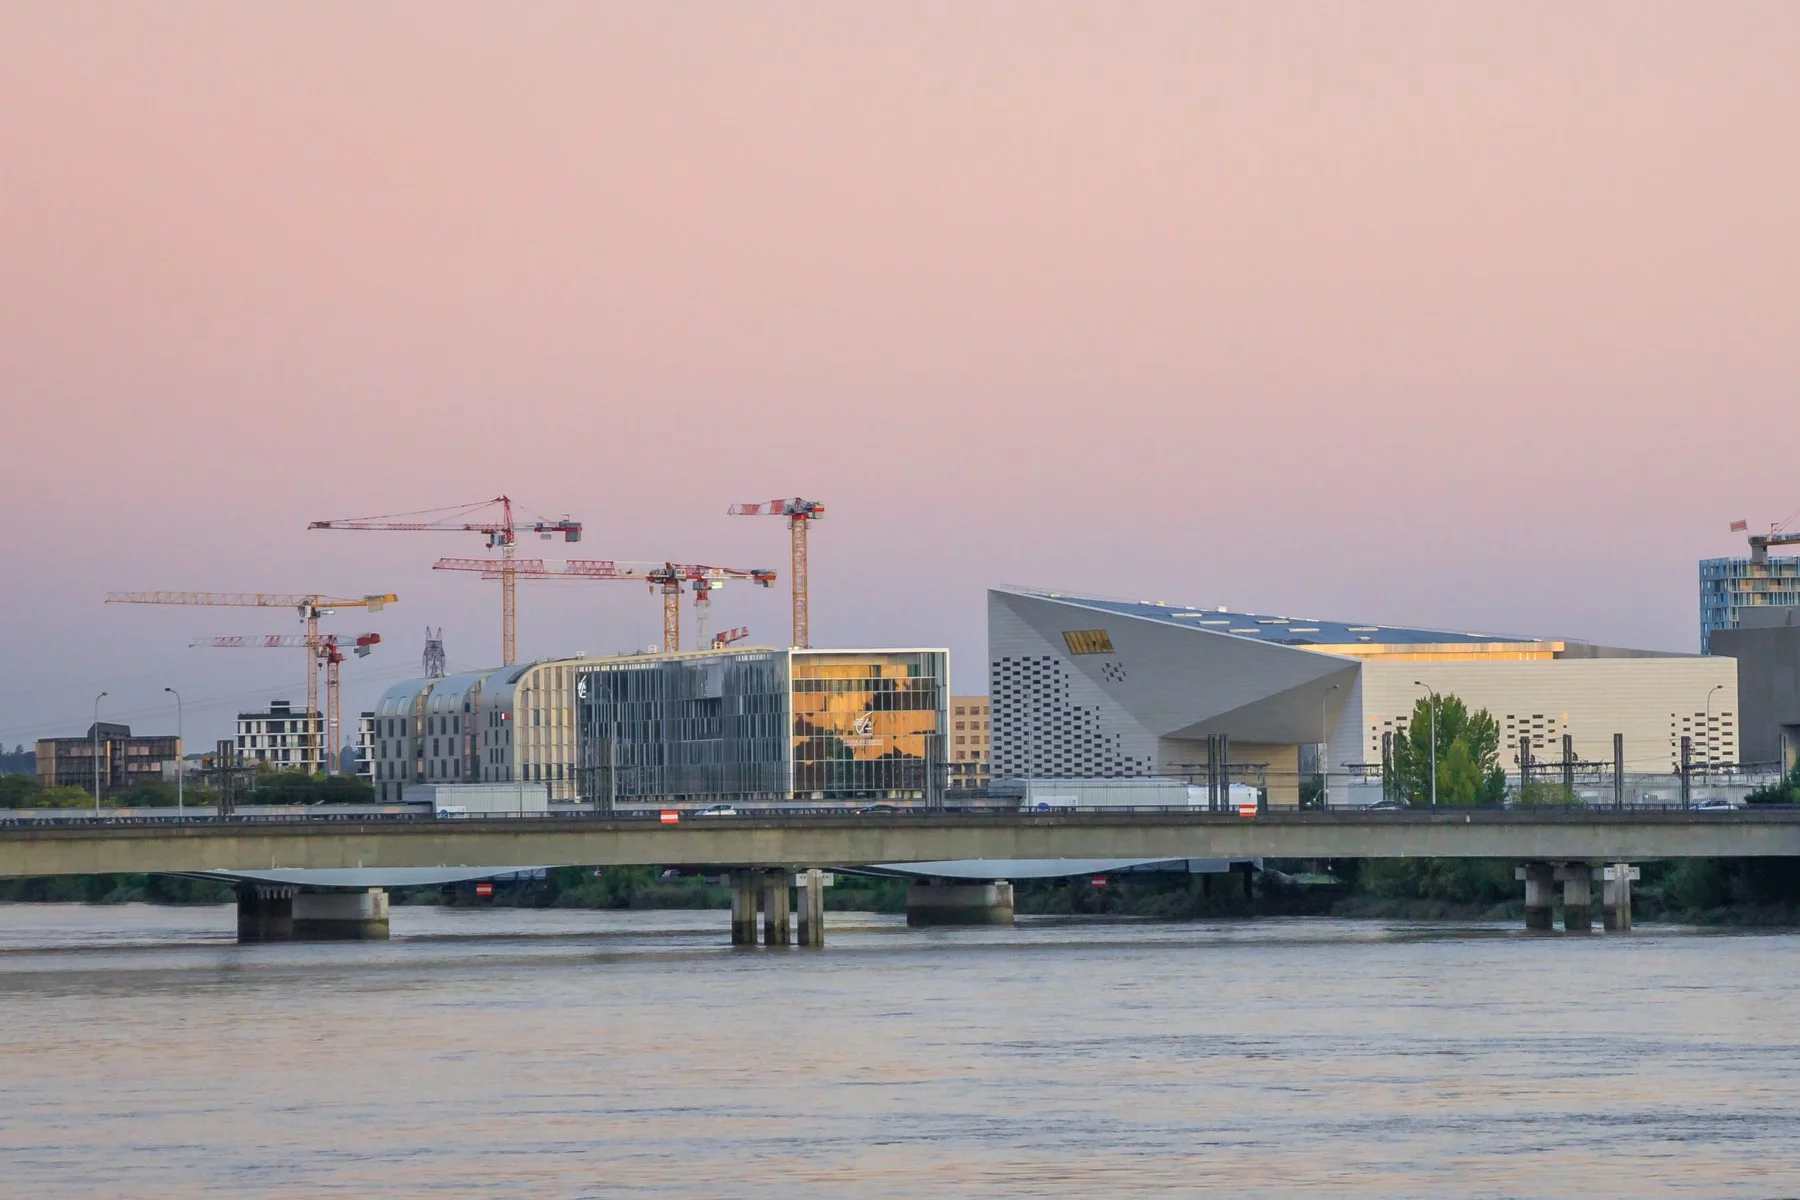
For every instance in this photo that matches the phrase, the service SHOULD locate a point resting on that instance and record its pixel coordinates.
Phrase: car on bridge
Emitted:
(716, 810)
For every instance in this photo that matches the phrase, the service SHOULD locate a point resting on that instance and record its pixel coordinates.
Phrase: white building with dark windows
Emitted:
(286, 738)
(1095, 687)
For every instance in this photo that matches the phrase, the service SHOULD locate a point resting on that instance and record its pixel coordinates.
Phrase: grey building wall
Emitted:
(1768, 658)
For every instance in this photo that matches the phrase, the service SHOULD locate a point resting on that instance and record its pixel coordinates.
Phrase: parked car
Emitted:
(717, 810)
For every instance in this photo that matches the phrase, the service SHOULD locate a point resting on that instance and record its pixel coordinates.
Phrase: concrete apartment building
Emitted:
(1088, 686)
(970, 747)
(124, 759)
(499, 725)
(283, 737)
(1731, 588)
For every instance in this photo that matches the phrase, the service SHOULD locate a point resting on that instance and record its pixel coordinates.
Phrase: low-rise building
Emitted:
(969, 742)
(124, 759)
(286, 738)
(497, 725)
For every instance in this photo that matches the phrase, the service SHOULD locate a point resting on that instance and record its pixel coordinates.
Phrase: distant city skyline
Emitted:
(1473, 317)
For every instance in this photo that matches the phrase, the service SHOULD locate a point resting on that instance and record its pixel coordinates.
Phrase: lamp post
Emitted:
(1324, 741)
(1434, 748)
(180, 764)
(1709, 741)
(96, 732)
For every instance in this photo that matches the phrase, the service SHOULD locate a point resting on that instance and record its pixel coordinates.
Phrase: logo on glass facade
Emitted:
(862, 733)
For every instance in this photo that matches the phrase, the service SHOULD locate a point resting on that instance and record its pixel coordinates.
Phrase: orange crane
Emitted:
(330, 653)
(311, 607)
(800, 514)
(666, 577)
(501, 532)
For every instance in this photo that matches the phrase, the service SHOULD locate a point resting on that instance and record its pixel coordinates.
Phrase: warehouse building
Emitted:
(1095, 687)
(760, 726)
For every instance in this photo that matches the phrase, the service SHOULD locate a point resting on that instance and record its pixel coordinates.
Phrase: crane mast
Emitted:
(800, 514)
(328, 651)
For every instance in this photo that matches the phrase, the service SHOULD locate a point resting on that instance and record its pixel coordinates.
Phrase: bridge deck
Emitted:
(29, 848)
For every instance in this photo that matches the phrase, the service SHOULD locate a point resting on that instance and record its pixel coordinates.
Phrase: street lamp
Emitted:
(1434, 704)
(1324, 741)
(96, 733)
(180, 764)
(1709, 742)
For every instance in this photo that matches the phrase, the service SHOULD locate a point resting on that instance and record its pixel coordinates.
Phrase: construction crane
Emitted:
(501, 533)
(664, 577)
(330, 655)
(726, 638)
(311, 607)
(1778, 535)
(800, 514)
(435, 664)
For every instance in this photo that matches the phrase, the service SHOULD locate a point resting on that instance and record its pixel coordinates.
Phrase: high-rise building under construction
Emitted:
(1733, 588)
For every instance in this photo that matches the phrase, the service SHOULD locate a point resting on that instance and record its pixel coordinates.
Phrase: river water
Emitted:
(507, 1053)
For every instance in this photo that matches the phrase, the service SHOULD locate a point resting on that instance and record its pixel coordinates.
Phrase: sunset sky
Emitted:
(1483, 316)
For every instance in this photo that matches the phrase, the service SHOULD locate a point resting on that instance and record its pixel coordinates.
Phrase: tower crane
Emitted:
(1778, 535)
(501, 533)
(800, 514)
(664, 577)
(330, 655)
(311, 606)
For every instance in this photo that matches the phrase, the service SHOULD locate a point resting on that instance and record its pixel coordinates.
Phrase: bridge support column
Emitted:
(1615, 897)
(1578, 897)
(341, 916)
(265, 912)
(1540, 880)
(811, 891)
(743, 908)
(776, 931)
(934, 902)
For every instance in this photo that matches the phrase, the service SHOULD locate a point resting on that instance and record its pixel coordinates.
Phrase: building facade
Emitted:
(124, 760)
(365, 746)
(1766, 648)
(969, 742)
(827, 727)
(499, 725)
(1731, 586)
(1087, 686)
(284, 737)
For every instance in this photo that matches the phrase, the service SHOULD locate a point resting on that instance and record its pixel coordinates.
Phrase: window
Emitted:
(1087, 641)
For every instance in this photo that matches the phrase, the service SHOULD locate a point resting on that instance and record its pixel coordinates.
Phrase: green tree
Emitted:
(1466, 751)
(18, 791)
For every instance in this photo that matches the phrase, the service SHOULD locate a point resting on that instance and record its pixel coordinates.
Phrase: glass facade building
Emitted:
(773, 726)
(1730, 585)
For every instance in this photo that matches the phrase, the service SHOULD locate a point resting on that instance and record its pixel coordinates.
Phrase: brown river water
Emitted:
(511, 1053)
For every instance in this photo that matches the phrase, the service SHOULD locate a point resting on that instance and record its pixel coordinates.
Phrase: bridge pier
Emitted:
(743, 908)
(1578, 897)
(811, 890)
(1540, 897)
(283, 912)
(265, 912)
(1615, 897)
(935, 902)
(776, 930)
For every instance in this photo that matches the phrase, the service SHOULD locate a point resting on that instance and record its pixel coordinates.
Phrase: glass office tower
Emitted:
(827, 727)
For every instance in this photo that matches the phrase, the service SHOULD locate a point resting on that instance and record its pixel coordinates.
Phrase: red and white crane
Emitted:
(502, 534)
(800, 514)
(311, 606)
(665, 577)
(329, 651)
(1778, 535)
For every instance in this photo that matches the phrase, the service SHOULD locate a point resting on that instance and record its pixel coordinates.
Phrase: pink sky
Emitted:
(1482, 316)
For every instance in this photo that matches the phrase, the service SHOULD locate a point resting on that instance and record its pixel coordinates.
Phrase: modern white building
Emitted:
(499, 725)
(286, 738)
(365, 746)
(1089, 686)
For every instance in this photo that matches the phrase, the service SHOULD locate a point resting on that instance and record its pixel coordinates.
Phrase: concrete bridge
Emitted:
(1613, 835)
(1553, 846)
